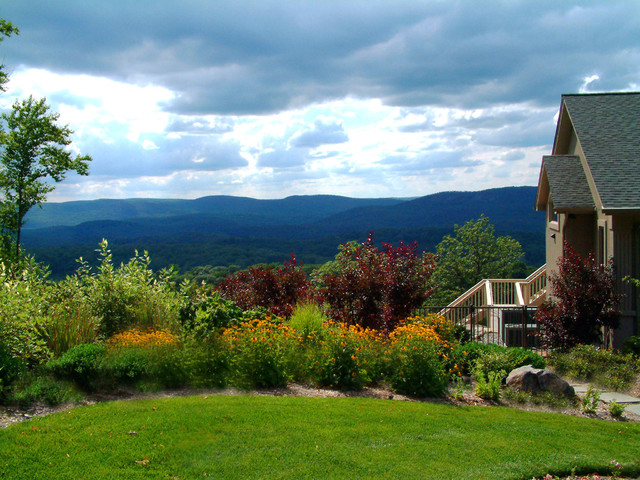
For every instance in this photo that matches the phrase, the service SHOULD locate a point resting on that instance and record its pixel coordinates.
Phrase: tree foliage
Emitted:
(375, 288)
(472, 254)
(584, 301)
(6, 30)
(34, 155)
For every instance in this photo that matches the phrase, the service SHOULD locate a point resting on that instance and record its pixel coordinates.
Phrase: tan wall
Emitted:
(554, 241)
(580, 232)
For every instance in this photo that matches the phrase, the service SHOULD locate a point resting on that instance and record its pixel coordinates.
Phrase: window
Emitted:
(552, 215)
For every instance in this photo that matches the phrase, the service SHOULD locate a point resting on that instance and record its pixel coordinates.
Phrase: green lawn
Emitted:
(304, 438)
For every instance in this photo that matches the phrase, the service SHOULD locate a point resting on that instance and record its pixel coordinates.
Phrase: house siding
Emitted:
(626, 241)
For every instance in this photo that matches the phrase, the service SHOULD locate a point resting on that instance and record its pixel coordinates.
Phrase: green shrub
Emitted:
(130, 295)
(203, 313)
(10, 368)
(631, 345)
(508, 358)
(206, 364)
(416, 368)
(125, 366)
(591, 400)
(80, 364)
(43, 389)
(467, 354)
(488, 384)
(307, 319)
(166, 368)
(23, 303)
(616, 409)
(605, 368)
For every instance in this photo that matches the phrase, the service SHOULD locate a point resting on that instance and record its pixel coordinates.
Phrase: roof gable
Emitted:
(608, 128)
(567, 183)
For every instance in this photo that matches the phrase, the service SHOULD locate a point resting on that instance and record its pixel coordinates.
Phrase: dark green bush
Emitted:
(493, 358)
(43, 389)
(81, 364)
(508, 358)
(416, 368)
(631, 345)
(10, 368)
(125, 366)
(206, 365)
(203, 313)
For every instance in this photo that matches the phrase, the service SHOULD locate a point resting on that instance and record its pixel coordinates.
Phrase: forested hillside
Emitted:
(222, 231)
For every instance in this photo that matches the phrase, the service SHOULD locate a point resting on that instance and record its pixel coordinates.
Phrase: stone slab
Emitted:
(633, 408)
(609, 397)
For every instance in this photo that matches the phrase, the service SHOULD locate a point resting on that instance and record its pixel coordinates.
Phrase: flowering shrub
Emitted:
(436, 329)
(258, 353)
(345, 357)
(419, 360)
(141, 339)
(375, 288)
(265, 286)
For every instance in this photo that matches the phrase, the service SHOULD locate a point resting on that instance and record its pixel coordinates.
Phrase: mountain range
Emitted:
(225, 230)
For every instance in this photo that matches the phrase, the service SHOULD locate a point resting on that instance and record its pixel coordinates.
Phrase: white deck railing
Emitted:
(480, 307)
(506, 292)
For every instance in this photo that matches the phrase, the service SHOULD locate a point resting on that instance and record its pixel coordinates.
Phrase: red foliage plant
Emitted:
(584, 302)
(376, 288)
(277, 289)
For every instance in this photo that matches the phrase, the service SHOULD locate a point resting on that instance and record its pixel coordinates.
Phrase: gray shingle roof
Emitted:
(567, 183)
(608, 127)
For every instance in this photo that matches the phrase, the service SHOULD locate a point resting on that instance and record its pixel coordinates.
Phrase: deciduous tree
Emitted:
(6, 30)
(34, 156)
(472, 254)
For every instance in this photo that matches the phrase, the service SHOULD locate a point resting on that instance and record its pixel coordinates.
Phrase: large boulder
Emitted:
(535, 380)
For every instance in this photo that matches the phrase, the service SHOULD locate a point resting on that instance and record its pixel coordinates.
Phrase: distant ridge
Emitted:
(294, 209)
(224, 230)
(509, 208)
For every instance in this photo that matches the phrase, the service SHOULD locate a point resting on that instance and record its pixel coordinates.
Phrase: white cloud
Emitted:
(270, 98)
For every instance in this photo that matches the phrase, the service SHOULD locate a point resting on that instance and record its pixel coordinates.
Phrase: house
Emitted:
(589, 188)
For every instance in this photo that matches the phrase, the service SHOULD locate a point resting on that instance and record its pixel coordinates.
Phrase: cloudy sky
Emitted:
(181, 99)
